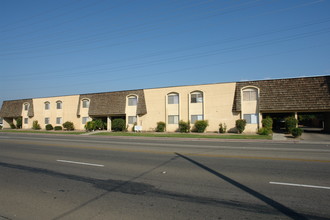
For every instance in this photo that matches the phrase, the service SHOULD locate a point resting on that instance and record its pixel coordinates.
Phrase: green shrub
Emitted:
(49, 127)
(12, 125)
(222, 128)
(35, 125)
(19, 122)
(99, 124)
(118, 124)
(267, 123)
(58, 128)
(184, 127)
(0, 127)
(290, 123)
(201, 125)
(68, 125)
(296, 132)
(90, 126)
(264, 131)
(161, 126)
(240, 125)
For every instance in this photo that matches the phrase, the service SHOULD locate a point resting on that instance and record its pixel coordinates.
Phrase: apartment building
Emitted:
(217, 103)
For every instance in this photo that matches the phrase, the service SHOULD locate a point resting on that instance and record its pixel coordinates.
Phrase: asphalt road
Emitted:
(79, 177)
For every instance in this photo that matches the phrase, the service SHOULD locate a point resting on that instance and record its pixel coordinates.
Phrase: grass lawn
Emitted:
(184, 135)
(42, 132)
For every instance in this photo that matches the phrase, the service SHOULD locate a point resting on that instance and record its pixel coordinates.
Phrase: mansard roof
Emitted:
(112, 103)
(13, 109)
(296, 94)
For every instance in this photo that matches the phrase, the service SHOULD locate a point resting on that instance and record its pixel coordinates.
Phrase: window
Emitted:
(173, 99)
(85, 103)
(85, 120)
(131, 119)
(26, 106)
(251, 118)
(47, 121)
(195, 118)
(47, 105)
(173, 119)
(132, 100)
(196, 97)
(26, 121)
(58, 105)
(58, 120)
(250, 94)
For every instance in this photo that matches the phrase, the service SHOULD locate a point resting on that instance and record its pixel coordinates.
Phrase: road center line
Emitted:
(301, 185)
(81, 163)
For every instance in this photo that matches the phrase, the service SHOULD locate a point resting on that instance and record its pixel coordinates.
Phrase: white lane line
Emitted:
(301, 185)
(81, 163)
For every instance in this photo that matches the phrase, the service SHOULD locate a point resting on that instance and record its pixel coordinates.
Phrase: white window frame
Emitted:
(59, 105)
(47, 121)
(196, 97)
(26, 106)
(173, 119)
(132, 100)
(250, 94)
(173, 99)
(251, 118)
(58, 120)
(195, 118)
(85, 103)
(47, 105)
(84, 120)
(131, 119)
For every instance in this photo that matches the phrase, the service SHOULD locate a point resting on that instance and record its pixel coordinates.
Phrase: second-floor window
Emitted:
(47, 105)
(85, 103)
(26, 106)
(58, 105)
(173, 98)
(132, 100)
(197, 97)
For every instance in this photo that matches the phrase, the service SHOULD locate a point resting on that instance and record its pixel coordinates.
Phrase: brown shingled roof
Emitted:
(112, 103)
(298, 94)
(13, 109)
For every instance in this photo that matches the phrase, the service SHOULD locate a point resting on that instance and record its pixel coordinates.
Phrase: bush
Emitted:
(99, 124)
(90, 126)
(118, 124)
(19, 122)
(0, 127)
(58, 128)
(161, 126)
(264, 131)
(290, 123)
(36, 125)
(267, 123)
(184, 127)
(296, 132)
(201, 125)
(240, 125)
(222, 128)
(12, 125)
(68, 126)
(49, 127)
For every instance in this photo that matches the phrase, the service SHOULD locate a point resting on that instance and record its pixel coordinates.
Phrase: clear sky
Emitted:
(64, 47)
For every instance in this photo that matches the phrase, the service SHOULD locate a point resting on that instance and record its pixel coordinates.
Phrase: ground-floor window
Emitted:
(46, 121)
(251, 118)
(173, 119)
(26, 121)
(131, 119)
(195, 118)
(58, 120)
(85, 120)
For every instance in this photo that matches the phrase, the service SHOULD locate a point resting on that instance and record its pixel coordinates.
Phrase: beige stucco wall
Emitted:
(131, 111)
(251, 107)
(67, 113)
(217, 105)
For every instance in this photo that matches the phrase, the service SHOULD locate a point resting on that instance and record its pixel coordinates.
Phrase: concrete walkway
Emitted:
(279, 137)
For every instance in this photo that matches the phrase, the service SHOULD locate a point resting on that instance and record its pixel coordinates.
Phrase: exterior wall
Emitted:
(26, 117)
(251, 107)
(131, 111)
(83, 112)
(67, 113)
(216, 106)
